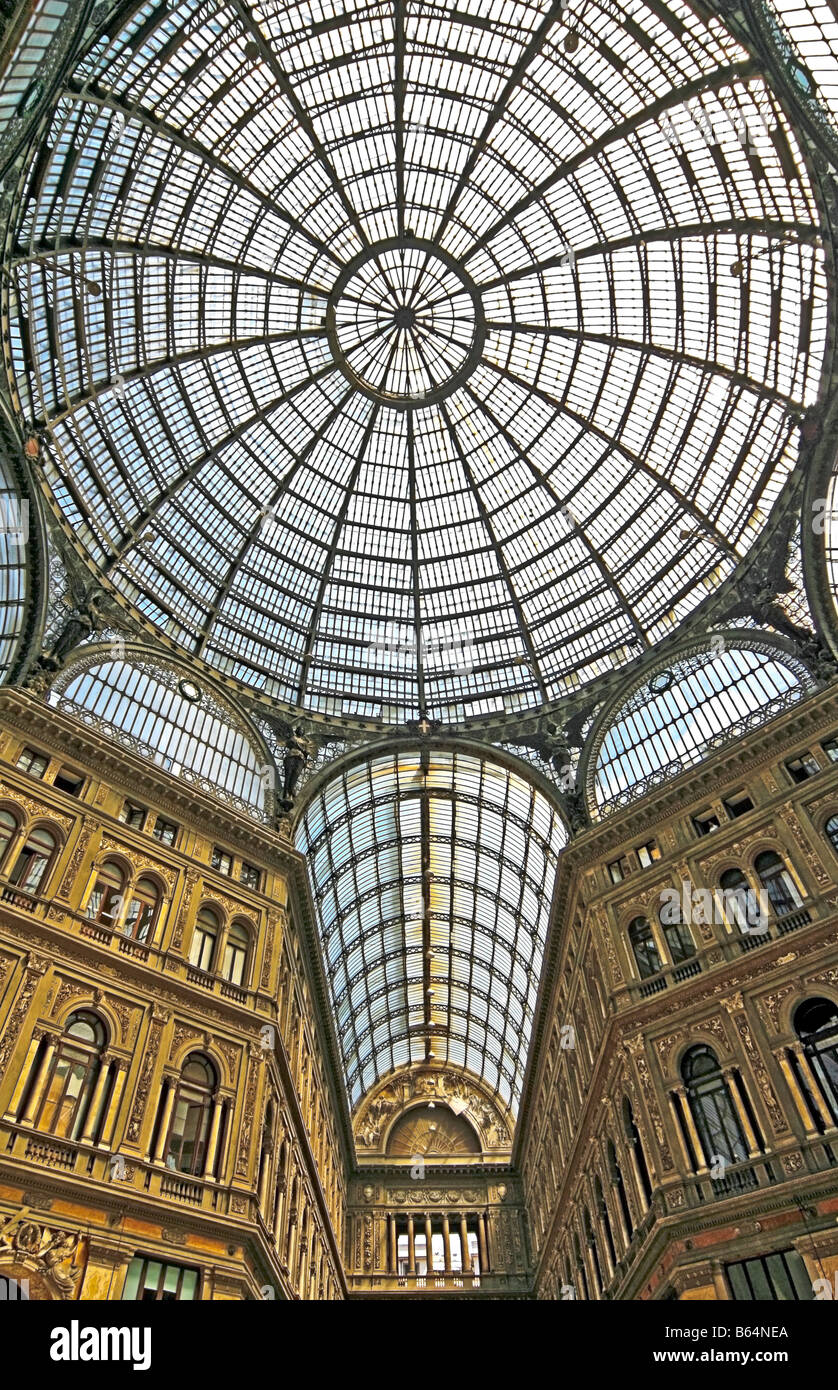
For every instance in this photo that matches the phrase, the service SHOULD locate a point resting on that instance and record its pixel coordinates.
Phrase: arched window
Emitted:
(105, 902)
(143, 908)
(204, 937)
(619, 1186)
(236, 947)
(645, 949)
(8, 830)
(71, 1078)
(778, 883)
(740, 905)
(186, 1147)
(816, 1025)
(633, 1138)
(712, 1107)
(35, 860)
(678, 937)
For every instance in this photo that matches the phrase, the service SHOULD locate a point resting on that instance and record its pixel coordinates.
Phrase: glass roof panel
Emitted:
(172, 721)
(679, 713)
(433, 875)
(403, 359)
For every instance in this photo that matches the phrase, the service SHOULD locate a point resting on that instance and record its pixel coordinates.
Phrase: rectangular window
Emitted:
(618, 870)
(648, 853)
(800, 768)
(738, 804)
(151, 1281)
(165, 831)
(249, 875)
(222, 861)
(133, 815)
(779, 1278)
(33, 762)
(706, 822)
(830, 748)
(68, 781)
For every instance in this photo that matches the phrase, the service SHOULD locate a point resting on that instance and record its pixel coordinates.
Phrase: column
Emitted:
(482, 1242)
(429, 1234)
(809, 1127)
(464, 1245)
(36, 1093)
(446, 1237)
(279, 1209)
(96, 1100)
(807, 1073)
(393, 1244)
(747, 1127)
(686, 1111)
(25, 1073)
(212, 1147)
(113, 1104)
(163, 1132)
(640, 1195)
(411, 1250)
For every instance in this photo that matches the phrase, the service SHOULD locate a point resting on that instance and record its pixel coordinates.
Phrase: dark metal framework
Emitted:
(432, 873)
(541, 466)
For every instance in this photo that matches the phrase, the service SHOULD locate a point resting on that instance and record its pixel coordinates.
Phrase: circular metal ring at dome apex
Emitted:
(405, 323)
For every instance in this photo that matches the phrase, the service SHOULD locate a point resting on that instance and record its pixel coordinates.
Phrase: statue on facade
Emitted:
(295, 755)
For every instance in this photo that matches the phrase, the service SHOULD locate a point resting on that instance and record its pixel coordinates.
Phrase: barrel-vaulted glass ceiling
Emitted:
(416, 358)
(433, 874)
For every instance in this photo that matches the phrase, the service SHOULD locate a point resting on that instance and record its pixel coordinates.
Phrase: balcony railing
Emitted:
(729, 945)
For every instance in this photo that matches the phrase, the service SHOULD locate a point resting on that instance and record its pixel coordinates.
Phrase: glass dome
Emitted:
(403, 359)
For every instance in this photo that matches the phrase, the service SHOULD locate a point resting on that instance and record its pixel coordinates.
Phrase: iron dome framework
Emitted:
(408, 360)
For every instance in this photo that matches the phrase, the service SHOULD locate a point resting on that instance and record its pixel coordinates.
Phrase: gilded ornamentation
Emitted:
(770, 1005)
(736, 1008)
(138, 861)
(144, 1086)
(80, 850)
(192, 881)
(247, 1118)
(638, 1057)
(788, 816)
(273, 920)
(33, 808)
(47, 1250)
(14, 1023)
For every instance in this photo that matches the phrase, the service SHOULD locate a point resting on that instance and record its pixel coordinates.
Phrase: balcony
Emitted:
(113, 940)
(727, 947)
(448, 1285)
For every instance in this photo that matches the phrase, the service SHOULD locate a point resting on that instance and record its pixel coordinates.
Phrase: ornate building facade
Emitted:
(418, 651)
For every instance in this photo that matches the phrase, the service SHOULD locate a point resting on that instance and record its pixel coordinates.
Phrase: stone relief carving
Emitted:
(48, 1251)
(736, 1008)
(132, 1133)
(451, 1088)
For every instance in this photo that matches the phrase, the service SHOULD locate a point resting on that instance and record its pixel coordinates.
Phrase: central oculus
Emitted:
(405, 323)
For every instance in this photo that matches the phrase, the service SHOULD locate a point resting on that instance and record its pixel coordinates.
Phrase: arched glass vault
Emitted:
(678, 713)
(404, 359)
(432, 873)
